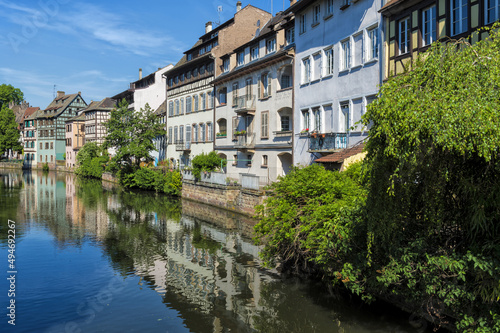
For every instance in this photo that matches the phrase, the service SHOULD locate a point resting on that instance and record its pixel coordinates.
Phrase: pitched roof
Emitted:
(77, 118)
(162, 109)
(340, 156)
(107, 104)
(29, 111)
(58, 105)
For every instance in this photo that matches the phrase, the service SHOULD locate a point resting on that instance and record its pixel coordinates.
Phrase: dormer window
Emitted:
(270, 45)
(202, 51)
(254, 53)
(241, 58)
(225, 65)
(189, 57)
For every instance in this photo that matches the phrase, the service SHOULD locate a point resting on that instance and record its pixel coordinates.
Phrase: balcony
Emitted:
(327, 142)
(180, 145)
(245, 105)
(244, 141)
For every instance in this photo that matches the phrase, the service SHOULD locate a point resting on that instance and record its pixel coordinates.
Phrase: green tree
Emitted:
(9, 133)
(434, 217)
(206, 162)
(10, 94)
(132, 133)
(91, 160)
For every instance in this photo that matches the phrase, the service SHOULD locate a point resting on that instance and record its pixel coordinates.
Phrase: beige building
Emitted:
(75, 138)
(96, 114)
(190, 97)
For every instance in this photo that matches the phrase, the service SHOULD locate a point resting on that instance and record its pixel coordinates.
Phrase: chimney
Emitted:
(208, 27)
(60, 94)
(238, 6)
(140, 73)
(292, 2)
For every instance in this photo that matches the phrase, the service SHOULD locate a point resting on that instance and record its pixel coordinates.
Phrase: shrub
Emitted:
(45, 167)
(206, 162)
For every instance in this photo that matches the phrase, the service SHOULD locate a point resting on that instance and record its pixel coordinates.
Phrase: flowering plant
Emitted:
(305, 130)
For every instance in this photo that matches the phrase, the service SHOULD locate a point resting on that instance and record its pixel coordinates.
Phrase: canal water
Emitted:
(94, 258)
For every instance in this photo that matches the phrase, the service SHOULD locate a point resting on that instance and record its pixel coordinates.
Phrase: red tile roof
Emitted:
(340, 156)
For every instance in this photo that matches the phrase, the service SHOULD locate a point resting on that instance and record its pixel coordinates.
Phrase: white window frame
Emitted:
(372, 49)
(241, 58)
(404, 35)
(225, 65)
(254, 53)
(302, 23)
(306, 119)
(306, 70)
(460, 15)
(495, 9)
(345, 54)
(328, 64)
(270, 45)
(429, 29)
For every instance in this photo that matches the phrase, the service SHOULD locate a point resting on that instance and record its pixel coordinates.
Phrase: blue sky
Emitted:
(97, 47)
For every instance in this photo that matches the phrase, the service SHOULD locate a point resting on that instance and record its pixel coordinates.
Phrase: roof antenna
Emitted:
(54, 93)
(219, 10)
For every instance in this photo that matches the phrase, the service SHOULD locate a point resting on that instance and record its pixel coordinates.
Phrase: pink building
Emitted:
(75, 138)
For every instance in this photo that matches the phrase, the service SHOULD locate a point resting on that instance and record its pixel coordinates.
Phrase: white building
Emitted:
(337, 73)
(254, 101)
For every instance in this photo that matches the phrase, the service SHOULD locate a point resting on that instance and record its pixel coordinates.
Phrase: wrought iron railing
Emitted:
(328, 141)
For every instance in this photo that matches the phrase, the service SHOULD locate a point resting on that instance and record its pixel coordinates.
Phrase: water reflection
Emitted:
(199, 259)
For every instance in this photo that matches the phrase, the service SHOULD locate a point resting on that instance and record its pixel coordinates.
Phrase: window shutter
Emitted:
(259, 88)
(269, 81)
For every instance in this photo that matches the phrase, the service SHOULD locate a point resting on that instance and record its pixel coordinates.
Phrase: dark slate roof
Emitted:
(77, 118)
(340, 156)
(107, 104)
(58, 105)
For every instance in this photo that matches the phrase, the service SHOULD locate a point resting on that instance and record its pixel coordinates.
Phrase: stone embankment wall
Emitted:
(229, 197)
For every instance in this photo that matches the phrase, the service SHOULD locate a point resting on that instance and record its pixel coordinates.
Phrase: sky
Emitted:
(97, 47)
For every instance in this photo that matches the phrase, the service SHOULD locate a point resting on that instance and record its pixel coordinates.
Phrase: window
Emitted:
(270, 45)
(169, 135)
(196, 103)
(170, 109)
(254, 53)
(372, 44)
(210, 99)
(176, 107)
(306, 122)
(225, 65)
(329, 7)
(264, 124)
(182, 106)
(189, 56)
(241, 58)
(316, 72)
(181, 134)
(182, 77)
(203, 101)
(302, 24)
(265, 85)
(249, 160)
(459, 13)
(285, 123)
(345, 55)
(210, 132)
(46, 145)
(264, 161)
(235, 158)
(328, 63)
(195, 133)
(203, 133)
(344, 4)
(316, 14)
(248, 88)
(290, 36)
(235, 93)
(286, 77)
(188, 133)
(176, 135)
(317, 119)
(404, 35)
(222, 123)
(491, 11)
(428, 25)
(344, 107)
(188, 75)
(188, 105)
(195, 72)
(202, 69)
(306, 70)
(222, 96)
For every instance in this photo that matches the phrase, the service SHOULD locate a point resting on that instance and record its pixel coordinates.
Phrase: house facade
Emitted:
(51, 127)
(29, 136)
(190, 101)
(411, 26)
(336, 74)
(254, 103)
(96, 114)
(75, 138)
